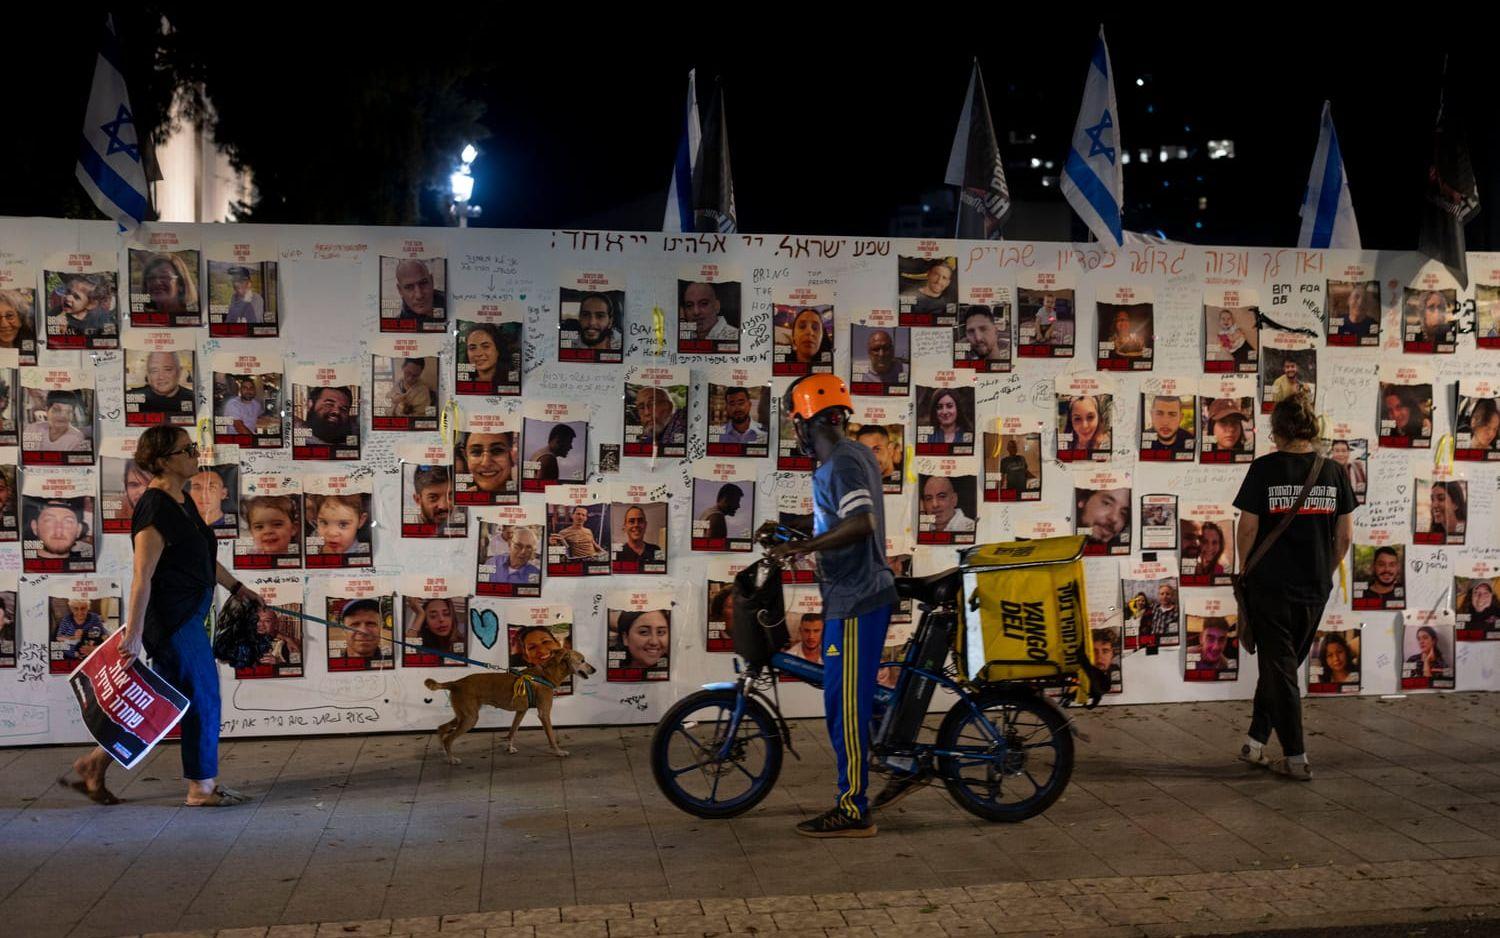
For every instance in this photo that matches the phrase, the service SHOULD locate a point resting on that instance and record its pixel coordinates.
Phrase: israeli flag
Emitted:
(109, 155)
(1092, 180)
(679, 216)
(1327, 209)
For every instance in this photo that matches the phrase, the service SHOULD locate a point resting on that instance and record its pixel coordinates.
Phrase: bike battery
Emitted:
(928, 651)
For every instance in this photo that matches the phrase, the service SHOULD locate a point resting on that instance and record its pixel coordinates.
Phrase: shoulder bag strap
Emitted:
(1286, 521)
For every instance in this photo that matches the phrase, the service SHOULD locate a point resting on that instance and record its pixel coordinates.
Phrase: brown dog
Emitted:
(519, 692)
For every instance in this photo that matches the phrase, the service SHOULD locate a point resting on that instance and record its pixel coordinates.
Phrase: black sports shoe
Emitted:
(898, 788)
(835, 823)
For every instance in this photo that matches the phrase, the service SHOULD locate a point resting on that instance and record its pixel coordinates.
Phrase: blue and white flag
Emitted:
(109, 155)
(1327, 209)
(1092, 180)
(679, 215)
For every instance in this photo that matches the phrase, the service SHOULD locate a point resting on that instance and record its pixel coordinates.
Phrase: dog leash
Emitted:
(421, 648)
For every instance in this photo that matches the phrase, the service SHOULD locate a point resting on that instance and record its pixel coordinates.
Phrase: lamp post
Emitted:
(461, 186)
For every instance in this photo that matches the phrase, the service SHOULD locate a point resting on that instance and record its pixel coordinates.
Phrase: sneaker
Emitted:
(1300, 771)
(1255, 755)
(835, 823)
(898, 788)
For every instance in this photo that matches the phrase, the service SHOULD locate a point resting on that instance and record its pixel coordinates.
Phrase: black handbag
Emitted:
(1242, 611)
(237, 639)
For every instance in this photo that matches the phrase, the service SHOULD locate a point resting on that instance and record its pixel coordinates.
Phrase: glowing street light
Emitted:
(461, 187)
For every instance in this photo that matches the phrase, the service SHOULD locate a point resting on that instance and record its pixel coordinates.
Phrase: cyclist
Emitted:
(857, 586)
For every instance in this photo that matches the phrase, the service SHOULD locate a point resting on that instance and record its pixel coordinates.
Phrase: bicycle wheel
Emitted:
(686, 747)
(1010, 760)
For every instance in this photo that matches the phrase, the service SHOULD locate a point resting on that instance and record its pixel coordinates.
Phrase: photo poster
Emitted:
(880, 355)
(10, 392)
(1476, 600)
(215, 489)
(591, 317)
(1427, 651)
(509, 554)
(325, 412)
(361, 615)
(1333, 666)
(1207, 544)
(121, 483)
(1045, 315)
(60, 531)
(161, 371)
(1038, 528)
(1107, 634)
(1152, 596)
(81, 293)
(806, 626)
(1288, 366)
(1487, 308)
(10, 497)
(247, 400)
(1226, 406)
(794, 508)
(270, 534)
(1476, 425)
(639, 522)
(1429, 315)
(434, 617)
(555, 444)
(1440, 504)
(486, 470)
(789, 455)
(127, 711)
(1159, 522)
(1085, 417)
(1013, 459)
(1351, 308)
(1211, 646)
(578, 530)
(1102, 506)
(1349, 446)
(719, 608)
(164, 283)
(244, 297)
(413, 287)
(57, 416)
(10, 619)
(404, 384)
(656, 411)
(1126, 320)
(429, 504)
(881, 426)
(534, 633)
(739, 412)
(20, 317)
(81, 612)
(947, 499)
(945, 412)
(1231, 335)
(640, 636)
(982, 340)
(723, 505)
(1404, 411)
(339, 518)
(709, 310)
(1169, 420)
(927, 287)
(802, 323)
(489, 346)
(284, 656)
(1378, 572)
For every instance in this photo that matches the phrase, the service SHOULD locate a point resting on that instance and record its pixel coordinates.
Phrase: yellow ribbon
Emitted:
(448, 421)
(205, 441)
(911, 459)
(1445, 442)
(659, 328)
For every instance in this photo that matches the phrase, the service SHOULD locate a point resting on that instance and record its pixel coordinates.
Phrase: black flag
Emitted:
(974, 166)
(1452, 196)
(713, 182)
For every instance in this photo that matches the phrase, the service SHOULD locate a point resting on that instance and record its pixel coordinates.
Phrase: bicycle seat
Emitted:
(933, 590)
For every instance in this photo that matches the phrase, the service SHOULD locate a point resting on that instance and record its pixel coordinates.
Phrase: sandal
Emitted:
(100, 795)
(221, 798)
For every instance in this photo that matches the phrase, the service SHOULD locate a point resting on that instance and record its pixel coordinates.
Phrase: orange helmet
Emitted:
(811, 395)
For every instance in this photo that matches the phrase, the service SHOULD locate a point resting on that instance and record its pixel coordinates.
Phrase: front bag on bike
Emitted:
(759, 628)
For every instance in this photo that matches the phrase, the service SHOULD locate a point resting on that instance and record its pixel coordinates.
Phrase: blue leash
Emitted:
(421, 648)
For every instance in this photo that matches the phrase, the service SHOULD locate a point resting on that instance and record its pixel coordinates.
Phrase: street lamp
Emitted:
(461, 186)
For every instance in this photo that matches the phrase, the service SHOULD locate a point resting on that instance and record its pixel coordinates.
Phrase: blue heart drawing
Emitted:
(485, 625)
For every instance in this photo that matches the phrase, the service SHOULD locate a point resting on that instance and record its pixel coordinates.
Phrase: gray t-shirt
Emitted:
(853, 579)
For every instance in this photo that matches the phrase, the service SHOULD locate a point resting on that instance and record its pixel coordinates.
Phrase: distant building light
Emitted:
(1182, 153)
(926, 207)
(1150, 109)
(1221, 149)
(1145, 156)
(1166, 183)
(1198, 225)
(1046, 182)
(1051, 165)
(1124, 156)
(1140, 82)
(1202, 203)
(1164, 155)
(1197, 178)
(1036, 162)
(1187, 128)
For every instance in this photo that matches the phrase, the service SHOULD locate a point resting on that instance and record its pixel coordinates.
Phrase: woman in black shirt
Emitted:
(170, 596)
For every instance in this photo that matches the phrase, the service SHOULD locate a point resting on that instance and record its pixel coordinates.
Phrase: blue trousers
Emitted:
(851, 659)
(185, 660)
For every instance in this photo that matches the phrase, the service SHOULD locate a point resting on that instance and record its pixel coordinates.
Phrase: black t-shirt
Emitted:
(186, 569)
(1299, 567)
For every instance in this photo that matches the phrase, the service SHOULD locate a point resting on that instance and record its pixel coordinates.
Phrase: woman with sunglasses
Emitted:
(170, 597)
